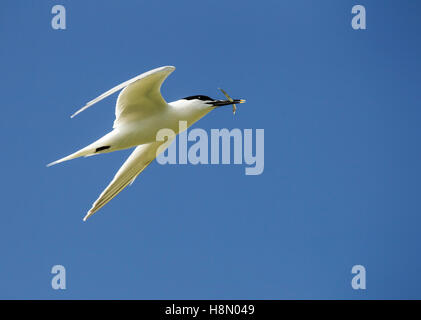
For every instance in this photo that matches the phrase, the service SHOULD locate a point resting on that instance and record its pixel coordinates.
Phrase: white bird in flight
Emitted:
(140, 113)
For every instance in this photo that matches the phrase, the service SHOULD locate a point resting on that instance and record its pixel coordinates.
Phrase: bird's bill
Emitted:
(220, 103)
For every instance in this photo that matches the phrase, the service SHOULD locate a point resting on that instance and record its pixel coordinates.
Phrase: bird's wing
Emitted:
(141, 95)
(140, 158)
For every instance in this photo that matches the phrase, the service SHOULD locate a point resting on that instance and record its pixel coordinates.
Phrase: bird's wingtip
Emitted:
(51, 164)
(76, 113)
(172, 68)
(88, 215)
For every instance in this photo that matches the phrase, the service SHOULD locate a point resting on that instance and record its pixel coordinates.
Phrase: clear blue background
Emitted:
(341, 185)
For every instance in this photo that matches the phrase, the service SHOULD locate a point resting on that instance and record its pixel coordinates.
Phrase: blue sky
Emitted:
(341, 114)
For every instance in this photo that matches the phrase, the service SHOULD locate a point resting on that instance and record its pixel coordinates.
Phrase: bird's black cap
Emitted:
(199, 97)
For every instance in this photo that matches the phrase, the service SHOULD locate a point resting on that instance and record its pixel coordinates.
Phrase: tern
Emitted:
(140, 113)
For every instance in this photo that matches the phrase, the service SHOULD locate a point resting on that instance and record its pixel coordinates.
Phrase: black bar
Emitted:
(214, 309)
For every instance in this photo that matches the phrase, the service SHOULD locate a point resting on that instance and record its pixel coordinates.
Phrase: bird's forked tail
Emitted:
(85, 152)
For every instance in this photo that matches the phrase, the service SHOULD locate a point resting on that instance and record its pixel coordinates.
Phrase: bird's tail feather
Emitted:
(85, 152)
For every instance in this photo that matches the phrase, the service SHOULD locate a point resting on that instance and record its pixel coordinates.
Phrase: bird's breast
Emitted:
(146, 130)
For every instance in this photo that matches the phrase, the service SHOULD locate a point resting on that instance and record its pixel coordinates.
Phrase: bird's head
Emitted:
(207, 102)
